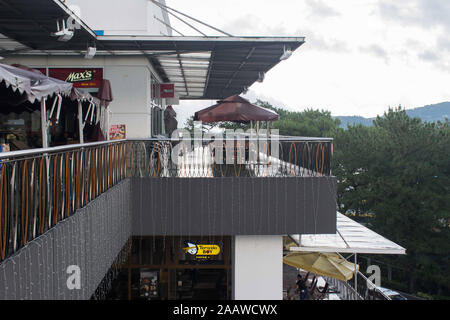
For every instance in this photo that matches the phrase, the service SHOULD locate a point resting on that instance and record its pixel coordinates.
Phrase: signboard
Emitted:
(167, 90)
(117, 132)
(201, 251)
(80, 77)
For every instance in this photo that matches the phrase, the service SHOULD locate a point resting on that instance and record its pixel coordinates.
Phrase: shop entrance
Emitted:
(175, 268)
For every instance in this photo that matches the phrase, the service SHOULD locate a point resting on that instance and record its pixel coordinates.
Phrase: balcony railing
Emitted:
(40, 187)
(240, 157)
(365, 289)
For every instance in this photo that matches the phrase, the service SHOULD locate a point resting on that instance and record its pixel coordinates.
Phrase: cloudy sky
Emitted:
(360, 56)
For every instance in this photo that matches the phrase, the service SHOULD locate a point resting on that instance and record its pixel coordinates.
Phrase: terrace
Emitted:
(87, 200)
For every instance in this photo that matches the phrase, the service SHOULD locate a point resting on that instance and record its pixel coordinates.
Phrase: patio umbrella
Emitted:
(105, 95)
(235, 109)
(325, 264)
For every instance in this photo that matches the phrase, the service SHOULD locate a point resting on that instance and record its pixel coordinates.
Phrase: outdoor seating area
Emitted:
(317, 287)
(38, 111)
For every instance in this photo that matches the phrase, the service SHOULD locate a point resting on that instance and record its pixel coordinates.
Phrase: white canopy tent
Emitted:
(350, 237)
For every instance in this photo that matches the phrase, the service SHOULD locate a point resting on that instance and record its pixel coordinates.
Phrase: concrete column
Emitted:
(257, 268)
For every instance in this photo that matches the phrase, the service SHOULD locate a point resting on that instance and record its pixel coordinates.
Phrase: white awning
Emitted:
(351, 237)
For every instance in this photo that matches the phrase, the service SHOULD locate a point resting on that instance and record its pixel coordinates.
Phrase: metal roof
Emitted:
(32, 22)
(351, 237)
(200, 67)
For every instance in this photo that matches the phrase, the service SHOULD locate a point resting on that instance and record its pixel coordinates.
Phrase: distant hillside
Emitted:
(430, 113)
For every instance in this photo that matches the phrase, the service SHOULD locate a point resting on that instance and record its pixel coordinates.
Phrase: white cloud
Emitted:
(360, 56)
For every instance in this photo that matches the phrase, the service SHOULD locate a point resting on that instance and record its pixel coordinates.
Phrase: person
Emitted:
(302, 290)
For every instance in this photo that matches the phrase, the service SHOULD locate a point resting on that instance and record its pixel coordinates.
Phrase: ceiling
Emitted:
(200, 67)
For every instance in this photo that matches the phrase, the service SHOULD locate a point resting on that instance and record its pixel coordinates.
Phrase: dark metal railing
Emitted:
(286, 156)
(40, 187)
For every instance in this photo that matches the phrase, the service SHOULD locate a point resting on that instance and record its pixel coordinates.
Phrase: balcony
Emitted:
(171, 189)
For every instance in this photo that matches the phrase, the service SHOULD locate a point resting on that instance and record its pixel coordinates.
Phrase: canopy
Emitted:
(33, 85)
(324, 264)
(351, 237)
(235, 109)
(77, 94)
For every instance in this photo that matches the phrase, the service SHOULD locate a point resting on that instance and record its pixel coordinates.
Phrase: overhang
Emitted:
(200, 67)
(32, 22)
(350, 237)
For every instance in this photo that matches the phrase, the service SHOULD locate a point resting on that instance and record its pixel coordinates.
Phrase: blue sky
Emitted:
(360, 56)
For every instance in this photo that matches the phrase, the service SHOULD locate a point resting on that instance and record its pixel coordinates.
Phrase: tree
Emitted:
(189, 125)
(399, 170)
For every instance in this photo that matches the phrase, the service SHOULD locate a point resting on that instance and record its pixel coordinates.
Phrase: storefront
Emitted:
(181, 268)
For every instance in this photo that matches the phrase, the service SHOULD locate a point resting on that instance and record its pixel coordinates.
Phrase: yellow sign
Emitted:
(202, 249)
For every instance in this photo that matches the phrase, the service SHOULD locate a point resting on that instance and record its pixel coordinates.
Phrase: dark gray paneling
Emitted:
(95, 234)
(90, 239)
(234, 206)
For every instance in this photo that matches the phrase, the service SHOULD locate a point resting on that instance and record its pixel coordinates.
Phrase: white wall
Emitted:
(130, 83)
(119, 17)
(257, 268)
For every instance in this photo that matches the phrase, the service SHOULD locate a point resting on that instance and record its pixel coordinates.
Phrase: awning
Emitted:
(33, 85)
(200, 67)
(351, 237)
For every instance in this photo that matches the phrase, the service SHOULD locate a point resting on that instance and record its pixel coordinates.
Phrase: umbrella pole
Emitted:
(80, 122)
(356, 275)
(44, 126)
(257, 142)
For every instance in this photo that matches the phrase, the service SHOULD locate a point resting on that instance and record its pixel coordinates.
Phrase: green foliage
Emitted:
(308, 123)
(399, 170)
(189, 125)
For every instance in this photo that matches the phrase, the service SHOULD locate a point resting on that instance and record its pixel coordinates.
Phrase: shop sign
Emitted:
(167, 90)
(80, 77)
(117, 132)
(201, 251)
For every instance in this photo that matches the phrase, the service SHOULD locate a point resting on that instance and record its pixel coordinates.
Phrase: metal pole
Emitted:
(80, 122)
(356, 274)
(44, 126)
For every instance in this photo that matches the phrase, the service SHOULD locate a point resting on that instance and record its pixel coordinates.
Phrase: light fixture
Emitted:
(260, 76)
(286, 53)
(64, 34)
(90, 52)
(1, 58)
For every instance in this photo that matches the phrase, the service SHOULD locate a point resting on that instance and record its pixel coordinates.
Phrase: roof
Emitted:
(200, 67)
(351, 237)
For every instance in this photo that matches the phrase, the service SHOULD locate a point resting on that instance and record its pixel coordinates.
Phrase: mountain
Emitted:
(429, 113)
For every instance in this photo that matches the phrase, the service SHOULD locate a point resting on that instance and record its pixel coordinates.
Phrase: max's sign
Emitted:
(80, 77)
(87, 75)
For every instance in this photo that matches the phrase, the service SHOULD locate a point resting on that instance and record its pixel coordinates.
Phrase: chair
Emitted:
(321, 294)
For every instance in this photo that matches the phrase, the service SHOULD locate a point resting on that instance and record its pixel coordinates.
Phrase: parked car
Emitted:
(394, 295)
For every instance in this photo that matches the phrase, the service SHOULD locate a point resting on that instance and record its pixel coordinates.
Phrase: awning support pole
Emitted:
(356, 273)
(80, 122)
(44, 125)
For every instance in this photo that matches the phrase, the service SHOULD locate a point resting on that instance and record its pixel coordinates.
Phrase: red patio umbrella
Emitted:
(235, 109)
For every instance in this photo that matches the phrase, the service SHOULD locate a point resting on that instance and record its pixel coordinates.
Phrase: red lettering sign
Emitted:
(167, 90)
(80, 77)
